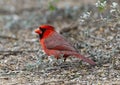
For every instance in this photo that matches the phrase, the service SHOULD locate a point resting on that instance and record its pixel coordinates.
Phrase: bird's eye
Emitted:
(43, 29)
(40, 28)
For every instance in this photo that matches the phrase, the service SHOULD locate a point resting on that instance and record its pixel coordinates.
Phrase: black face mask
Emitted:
(43, 31)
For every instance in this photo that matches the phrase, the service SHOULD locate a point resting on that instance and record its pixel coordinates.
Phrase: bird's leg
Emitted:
(64, 59)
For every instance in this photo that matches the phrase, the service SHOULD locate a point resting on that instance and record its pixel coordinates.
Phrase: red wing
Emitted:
(57, 42)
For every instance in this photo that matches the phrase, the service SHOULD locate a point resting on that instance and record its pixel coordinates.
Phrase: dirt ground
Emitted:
(23, 62)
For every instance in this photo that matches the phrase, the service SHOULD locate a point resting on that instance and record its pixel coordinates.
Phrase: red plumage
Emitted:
(55, 44)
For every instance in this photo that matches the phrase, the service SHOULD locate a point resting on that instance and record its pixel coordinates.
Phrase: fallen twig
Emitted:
(8, 37)
(6, 12)
(73, 25)
(16, 52)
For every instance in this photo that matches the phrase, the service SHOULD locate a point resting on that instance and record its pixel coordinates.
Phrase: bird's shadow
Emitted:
(69, 65)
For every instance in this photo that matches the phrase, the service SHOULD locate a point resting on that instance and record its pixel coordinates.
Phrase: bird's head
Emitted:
(42, 29)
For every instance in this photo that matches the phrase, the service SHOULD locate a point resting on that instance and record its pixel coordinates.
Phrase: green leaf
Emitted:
(52, 7)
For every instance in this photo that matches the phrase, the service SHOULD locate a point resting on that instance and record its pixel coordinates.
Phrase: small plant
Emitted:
(52, 7)
(101, 4)
(114, 9)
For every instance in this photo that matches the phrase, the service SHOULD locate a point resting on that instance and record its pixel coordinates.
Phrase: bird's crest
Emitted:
(46, 27)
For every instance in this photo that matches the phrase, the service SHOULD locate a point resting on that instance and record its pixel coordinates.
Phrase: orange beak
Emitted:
(38, 31)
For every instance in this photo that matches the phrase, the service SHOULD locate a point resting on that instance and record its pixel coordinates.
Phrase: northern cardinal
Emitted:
(55, 44)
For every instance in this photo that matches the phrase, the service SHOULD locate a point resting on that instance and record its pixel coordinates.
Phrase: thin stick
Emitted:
(9, 52)
(8, 37)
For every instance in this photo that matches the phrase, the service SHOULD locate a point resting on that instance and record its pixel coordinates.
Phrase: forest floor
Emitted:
(23, 62)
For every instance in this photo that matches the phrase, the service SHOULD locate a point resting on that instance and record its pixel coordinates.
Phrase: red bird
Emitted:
(55, 44)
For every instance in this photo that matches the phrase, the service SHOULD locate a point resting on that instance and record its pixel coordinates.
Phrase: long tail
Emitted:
(85, 59)
(79, 56)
